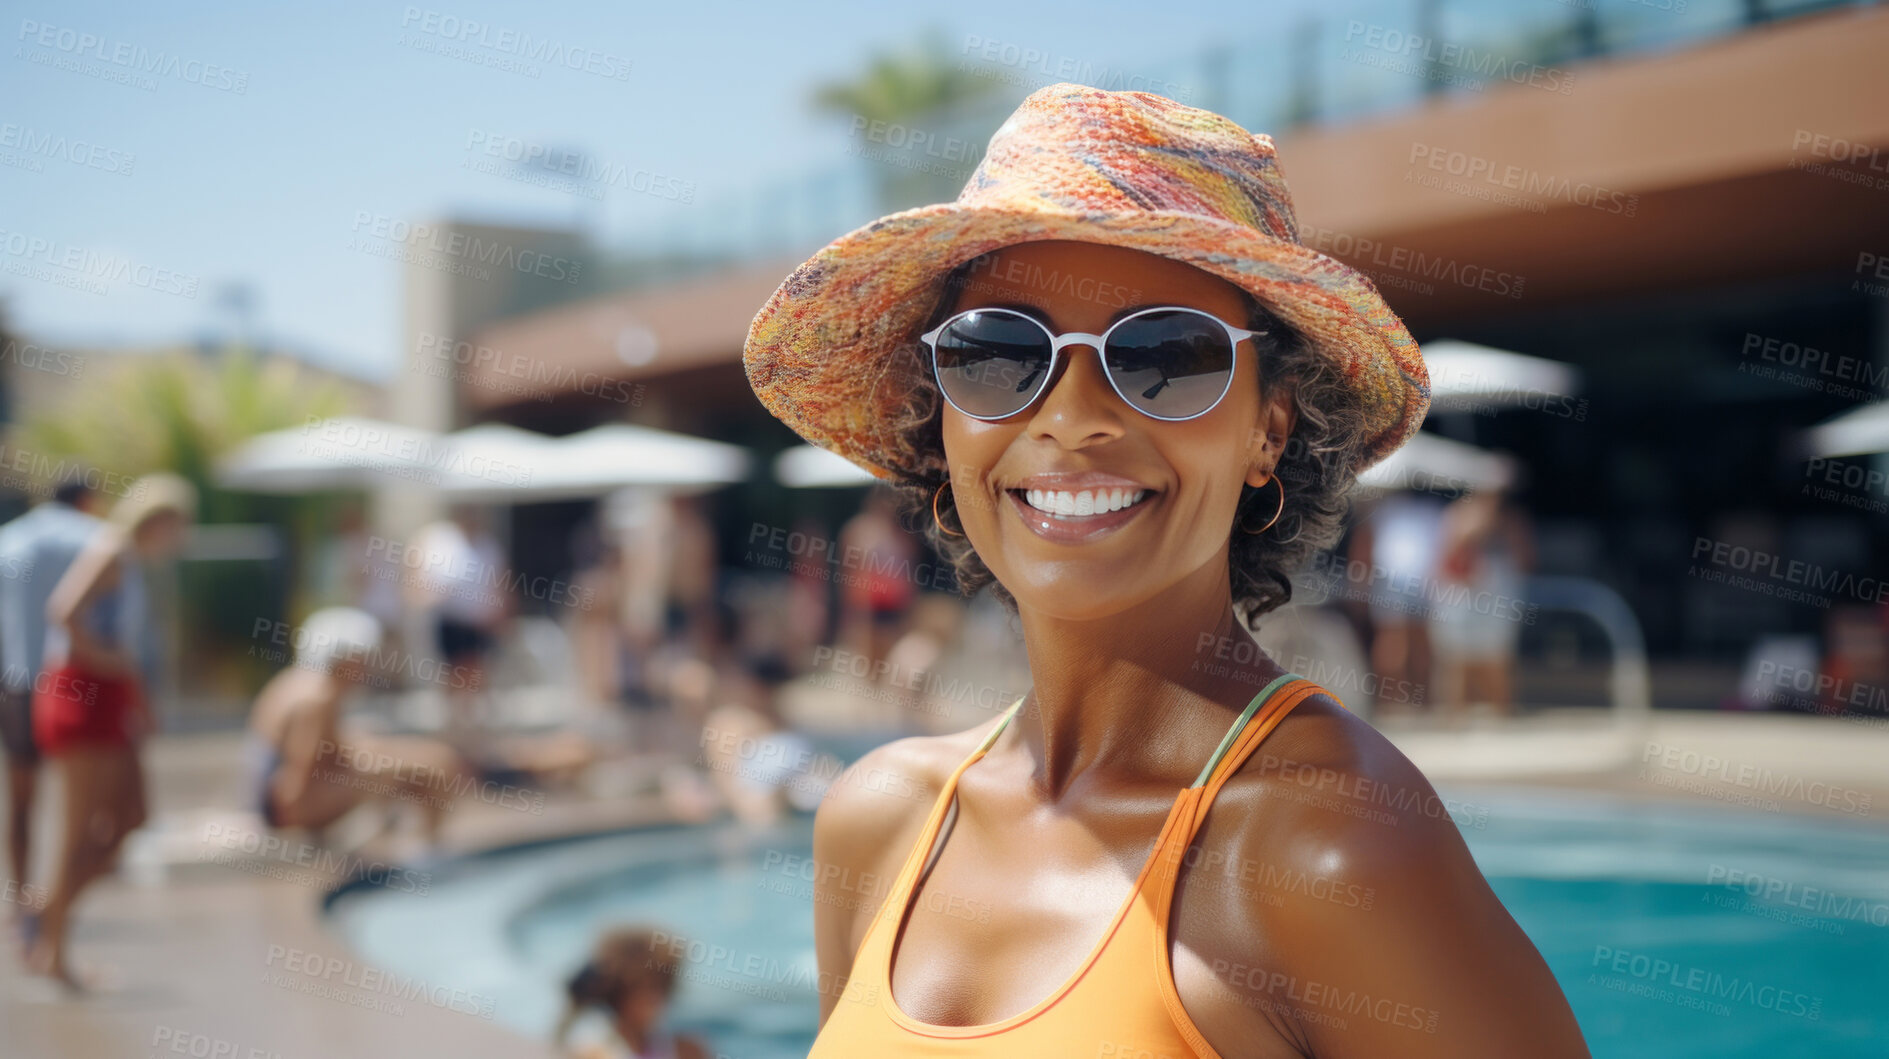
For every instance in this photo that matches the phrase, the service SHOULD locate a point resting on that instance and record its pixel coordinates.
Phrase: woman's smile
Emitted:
(1078, 508)
(1079, 516)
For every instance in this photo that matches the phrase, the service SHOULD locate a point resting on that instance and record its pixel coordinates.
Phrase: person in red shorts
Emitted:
(89, 709)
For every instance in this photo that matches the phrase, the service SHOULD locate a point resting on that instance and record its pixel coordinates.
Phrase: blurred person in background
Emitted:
(1485, 547)
(877, 558)
(641, 521)
(669, 581)
(356, 569)
(760, 764)
(1397, 544)
(1853, 677)
(91, 710)
(694, 568)
(809, 607)
(598, 642)
(304, 770)
(462, 588)
(937, 620)
(36, 549)
(629, 980)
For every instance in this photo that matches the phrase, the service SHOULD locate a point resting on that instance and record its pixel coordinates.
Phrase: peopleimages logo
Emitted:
(1018, 64)
(517, 47)
(463, 248)
(577, 165)
(35, 357)
(1697, 984)
(80, 152)
(1813, 899)
(178, 1041)
(531, 370)
(130, 59)
(1687, 762)
(1428, 55)
(1482, 177)
(318, 859)
(1380, 260)
(332, 971)
(1780, 575)
(84, 263)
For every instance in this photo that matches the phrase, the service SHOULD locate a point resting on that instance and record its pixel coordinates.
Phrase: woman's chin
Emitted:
(1076, 598)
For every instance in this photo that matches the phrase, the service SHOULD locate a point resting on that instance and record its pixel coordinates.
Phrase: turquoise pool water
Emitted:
(1677, 933)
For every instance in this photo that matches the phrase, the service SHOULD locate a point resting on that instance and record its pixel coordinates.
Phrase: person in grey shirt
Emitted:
(35, 551)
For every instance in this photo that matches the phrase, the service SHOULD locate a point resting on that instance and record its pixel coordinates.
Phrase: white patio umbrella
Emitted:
(494, 461)
(812, 467)
(1465, 375)
(1859, 432)
(1431, 463)
(593, 463)
(344, 452)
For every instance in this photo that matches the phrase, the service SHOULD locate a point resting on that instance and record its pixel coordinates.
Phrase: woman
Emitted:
(629, 979)
(90, 710)
(1483, 554)
(1123, 874)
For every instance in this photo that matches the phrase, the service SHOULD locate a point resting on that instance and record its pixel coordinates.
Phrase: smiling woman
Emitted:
(1145, 401)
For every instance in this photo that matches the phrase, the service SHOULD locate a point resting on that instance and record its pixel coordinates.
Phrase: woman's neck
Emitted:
(1128, 697)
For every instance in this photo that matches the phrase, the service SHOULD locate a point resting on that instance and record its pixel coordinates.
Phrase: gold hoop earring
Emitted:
(1275, 514)
(934, 511)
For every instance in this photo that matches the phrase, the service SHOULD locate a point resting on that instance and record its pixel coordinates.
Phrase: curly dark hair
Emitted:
(1315, 469)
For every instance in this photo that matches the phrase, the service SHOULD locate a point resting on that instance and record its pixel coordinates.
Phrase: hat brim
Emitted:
(831, 352)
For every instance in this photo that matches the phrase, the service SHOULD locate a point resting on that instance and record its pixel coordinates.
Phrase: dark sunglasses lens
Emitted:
(990, 364)
(1170, 364)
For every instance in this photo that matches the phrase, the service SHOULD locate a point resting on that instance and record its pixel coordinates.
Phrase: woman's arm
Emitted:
(862, 834)
(94, 572)
(839, 829)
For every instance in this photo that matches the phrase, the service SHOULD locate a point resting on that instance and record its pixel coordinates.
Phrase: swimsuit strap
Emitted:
(998, 730)
(945, 805)
(1233, 733)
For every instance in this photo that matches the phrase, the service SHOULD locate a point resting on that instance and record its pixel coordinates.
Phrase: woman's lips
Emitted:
(1074, 529)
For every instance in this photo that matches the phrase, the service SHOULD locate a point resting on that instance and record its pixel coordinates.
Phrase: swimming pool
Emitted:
(1676, 932)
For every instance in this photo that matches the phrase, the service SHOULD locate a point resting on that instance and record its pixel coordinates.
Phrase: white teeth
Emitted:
(1086, 502)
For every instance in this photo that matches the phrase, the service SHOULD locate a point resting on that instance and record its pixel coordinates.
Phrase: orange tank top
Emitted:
(1120, 1002)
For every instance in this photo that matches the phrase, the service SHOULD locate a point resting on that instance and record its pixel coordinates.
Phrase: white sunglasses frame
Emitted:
(1235, 335)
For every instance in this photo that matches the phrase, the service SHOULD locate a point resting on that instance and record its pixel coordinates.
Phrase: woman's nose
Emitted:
(1080, 395)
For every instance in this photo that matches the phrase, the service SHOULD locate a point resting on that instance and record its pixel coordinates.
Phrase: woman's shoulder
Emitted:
(1345, 836)
(1327, 774)
(1352, 872)
(870, 819)
(1325, 805)
(888, 792)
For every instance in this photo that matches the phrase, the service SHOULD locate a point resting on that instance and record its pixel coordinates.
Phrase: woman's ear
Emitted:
(1277, 417)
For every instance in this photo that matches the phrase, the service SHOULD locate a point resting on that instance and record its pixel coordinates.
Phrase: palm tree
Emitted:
(178, 411)
(913, 86)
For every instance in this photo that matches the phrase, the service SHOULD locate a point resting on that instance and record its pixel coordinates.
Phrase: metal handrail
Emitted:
(1631, 683)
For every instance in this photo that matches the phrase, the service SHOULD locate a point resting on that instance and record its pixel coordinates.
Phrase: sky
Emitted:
(263, 134)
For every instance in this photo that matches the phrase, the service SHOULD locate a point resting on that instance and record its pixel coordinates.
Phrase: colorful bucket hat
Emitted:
(831, 351)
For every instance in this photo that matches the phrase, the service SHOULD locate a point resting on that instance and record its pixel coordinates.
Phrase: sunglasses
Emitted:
(1168, 362)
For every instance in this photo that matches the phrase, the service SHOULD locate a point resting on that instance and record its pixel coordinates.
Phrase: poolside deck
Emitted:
(196, 950)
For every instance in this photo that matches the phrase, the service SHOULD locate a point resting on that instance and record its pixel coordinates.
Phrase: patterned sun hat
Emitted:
(832, 352)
